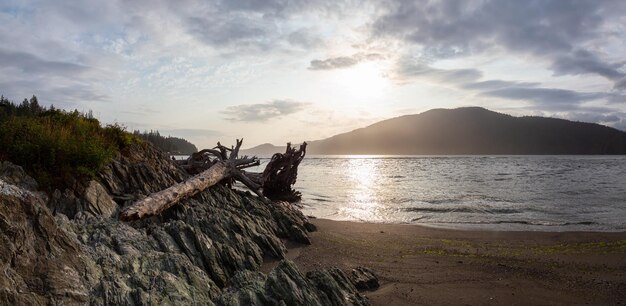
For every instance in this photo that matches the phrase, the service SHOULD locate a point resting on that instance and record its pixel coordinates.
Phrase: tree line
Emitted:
(169, 144)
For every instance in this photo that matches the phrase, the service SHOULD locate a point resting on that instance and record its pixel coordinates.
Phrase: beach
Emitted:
(418, 265)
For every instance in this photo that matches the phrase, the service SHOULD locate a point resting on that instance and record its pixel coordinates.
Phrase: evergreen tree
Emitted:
(34, 106)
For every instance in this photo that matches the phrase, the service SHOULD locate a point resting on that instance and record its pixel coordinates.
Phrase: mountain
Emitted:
(471, 130)
(263, 149)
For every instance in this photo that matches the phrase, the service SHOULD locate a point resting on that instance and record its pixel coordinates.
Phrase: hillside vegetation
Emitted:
(57, 146)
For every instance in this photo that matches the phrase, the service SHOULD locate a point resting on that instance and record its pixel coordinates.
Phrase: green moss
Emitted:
(599, 247)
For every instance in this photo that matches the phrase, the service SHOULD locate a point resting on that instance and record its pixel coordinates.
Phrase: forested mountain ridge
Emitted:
(473, 130)
(169, 144)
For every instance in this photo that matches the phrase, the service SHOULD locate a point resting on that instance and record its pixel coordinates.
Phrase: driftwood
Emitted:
(222, 164)
(281, 173)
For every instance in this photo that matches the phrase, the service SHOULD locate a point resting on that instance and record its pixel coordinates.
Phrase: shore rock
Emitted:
(364, 278)
(97, 200)
(285, 285)
(203, 251)
(41, 264)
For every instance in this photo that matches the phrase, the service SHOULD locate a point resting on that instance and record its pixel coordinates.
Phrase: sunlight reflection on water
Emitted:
(507, 192)
(363, 176)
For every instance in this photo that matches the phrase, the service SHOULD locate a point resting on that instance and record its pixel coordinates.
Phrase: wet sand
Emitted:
(419, 265)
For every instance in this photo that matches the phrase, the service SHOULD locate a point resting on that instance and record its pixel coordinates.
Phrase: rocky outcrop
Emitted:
(41, 264)
(137, 171)
(204, 251)
(285, 285)
(140, 170)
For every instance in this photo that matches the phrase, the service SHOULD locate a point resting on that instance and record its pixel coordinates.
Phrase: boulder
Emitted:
(15, 175)
(335, 288)
(364, 278)
(97, 201)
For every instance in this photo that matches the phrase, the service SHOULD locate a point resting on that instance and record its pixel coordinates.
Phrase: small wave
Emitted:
(321, 196)
(546, 223)
(444, 201)
(463, 210)
(437, 210)
(503, 179)
(582, 223)
(320, 200)
(577, 192)
(470, 197)
(523, 222)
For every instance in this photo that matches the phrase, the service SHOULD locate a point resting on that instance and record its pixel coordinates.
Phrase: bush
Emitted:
(58, 147)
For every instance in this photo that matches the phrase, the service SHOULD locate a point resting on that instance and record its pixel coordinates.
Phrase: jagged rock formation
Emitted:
(286, 285)
(41, 264)
(205, 251)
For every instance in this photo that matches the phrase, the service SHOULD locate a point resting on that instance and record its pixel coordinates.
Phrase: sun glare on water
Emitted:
(363, 175)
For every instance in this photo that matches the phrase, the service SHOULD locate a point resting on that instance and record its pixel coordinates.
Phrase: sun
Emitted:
(362, 83)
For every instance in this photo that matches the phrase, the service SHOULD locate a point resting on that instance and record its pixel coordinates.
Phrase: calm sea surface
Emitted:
(495, 192)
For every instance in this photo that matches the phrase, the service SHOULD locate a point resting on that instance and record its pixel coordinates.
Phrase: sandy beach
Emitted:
(419, 265)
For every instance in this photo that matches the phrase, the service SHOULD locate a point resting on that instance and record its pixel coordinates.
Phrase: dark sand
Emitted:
(420, 265)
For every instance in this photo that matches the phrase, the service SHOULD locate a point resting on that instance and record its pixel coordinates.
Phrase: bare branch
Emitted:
(235, 151)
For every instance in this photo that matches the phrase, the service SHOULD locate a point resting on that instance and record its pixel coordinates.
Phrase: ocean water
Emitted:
(547, 193)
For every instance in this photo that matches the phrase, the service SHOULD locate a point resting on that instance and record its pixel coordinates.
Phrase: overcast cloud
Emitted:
(213, 65)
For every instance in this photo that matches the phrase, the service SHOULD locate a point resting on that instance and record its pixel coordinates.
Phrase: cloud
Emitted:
(244, 25)
(411, 69)
(497, 84)
(241, 30)
(344, 61)
(563, 32)
(611, 118)
(30, 63)
(621, 84)
(333, 63)
(115, 56)
(305, 38)
(68, 96)
(263, 111)
(547, 98)
(595, 117)
(621, 125)
(581, 62)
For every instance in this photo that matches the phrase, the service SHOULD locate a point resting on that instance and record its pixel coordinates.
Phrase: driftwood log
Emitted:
(222, 164)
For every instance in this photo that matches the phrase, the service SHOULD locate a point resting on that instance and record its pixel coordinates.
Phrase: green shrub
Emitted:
(58, 147)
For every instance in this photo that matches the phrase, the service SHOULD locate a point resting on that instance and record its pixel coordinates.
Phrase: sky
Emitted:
(281, 70)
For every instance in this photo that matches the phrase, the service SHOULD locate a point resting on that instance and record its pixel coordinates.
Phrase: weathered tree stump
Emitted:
(281, 173)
